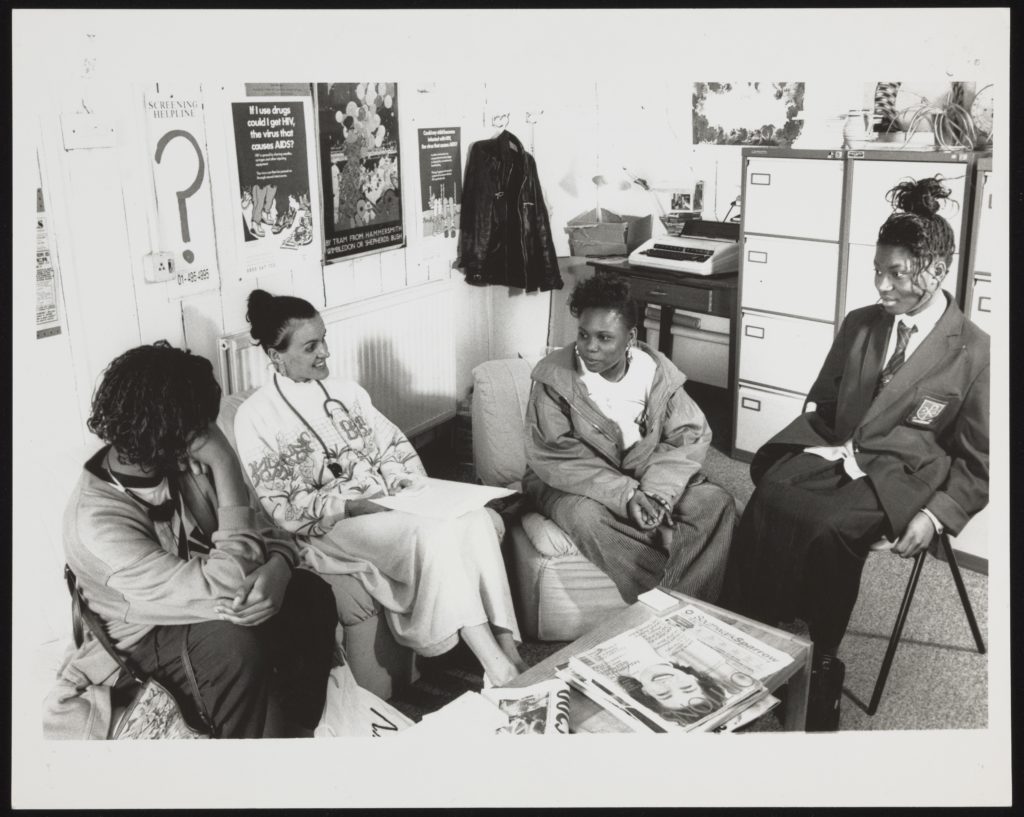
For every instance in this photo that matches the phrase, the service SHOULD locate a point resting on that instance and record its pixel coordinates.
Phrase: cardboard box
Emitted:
(613, 235)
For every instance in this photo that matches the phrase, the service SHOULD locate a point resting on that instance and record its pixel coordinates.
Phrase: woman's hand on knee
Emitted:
(261, 595)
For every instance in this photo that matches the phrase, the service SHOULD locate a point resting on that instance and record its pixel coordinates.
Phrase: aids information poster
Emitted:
(440, 180)
(176, 140)
(359, 165)
(272, 157)
(47, 315)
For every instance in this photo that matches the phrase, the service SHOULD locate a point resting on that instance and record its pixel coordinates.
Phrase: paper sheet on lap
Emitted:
(442, 498)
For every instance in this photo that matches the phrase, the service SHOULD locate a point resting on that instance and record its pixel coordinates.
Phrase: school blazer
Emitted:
(924, 440)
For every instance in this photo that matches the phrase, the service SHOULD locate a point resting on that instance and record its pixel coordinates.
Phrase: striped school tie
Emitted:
(904, 331)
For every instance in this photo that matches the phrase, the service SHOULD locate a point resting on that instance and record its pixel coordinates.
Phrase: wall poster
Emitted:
(277, 215)
(47, 311)
(747, 113)
(359, 165)
(176, 140)
(440, 180)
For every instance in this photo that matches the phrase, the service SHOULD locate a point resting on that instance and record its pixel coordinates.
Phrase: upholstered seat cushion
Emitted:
(561, 594)
(547, 537)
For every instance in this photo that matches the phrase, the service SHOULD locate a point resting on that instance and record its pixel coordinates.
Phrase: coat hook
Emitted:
(532, 118)
(500, 120)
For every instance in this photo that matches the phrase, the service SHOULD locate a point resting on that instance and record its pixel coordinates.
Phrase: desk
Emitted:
(710, 294)
(587, 716)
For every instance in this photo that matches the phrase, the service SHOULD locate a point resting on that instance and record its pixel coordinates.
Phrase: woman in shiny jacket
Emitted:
(615, 446)
(505, 235)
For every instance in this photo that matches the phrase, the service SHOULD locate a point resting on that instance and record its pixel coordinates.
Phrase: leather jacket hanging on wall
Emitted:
(505, 235)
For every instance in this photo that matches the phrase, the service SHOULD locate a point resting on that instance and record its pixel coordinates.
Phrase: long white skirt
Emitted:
(432, 577)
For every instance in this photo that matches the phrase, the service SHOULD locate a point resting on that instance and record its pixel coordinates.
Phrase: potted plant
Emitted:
(951, 123)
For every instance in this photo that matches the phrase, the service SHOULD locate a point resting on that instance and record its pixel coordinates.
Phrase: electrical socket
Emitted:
(159, 267)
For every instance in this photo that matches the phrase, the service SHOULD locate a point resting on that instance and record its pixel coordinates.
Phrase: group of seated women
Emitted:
(168, 552)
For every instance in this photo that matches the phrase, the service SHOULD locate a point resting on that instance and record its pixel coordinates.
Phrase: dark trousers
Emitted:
(238, 668)
(800, 547)
(689, 557)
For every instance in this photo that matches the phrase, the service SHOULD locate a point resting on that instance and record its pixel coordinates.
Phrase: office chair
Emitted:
(901, 617)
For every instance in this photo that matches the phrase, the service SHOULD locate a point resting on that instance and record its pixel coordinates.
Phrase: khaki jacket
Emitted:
(573, 447)
(133, 584)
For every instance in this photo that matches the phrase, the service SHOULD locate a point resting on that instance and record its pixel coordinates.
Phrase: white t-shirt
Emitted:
(623, 402)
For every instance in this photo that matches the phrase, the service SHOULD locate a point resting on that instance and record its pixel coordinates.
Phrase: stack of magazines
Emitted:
(686, 671)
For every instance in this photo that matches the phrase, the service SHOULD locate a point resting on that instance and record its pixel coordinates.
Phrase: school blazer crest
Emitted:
(924, 440)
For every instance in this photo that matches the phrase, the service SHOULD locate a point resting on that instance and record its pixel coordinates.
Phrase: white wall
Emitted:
(606, 81)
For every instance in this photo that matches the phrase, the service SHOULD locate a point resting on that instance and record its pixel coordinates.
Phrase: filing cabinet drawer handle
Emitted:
(750, 403)
(757, 256)
(761, 178)
(984, 303)
(753, 331)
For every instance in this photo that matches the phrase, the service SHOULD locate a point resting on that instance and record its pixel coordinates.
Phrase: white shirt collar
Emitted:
(926, 319)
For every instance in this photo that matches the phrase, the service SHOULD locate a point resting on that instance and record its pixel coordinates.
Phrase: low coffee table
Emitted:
(587, 716)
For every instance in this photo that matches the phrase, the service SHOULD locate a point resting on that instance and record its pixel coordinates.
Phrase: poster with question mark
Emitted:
(176, 139)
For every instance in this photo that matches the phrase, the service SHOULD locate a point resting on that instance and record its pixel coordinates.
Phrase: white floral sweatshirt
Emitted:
(286, 460)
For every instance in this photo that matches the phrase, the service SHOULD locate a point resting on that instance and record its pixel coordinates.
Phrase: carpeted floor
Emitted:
(938, 679)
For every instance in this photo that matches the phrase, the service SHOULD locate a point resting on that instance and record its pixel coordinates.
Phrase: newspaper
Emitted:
(540, 709)
(750, 654)
(685, 672)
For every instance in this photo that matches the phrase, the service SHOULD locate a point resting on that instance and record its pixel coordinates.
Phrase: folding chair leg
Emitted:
(897, 631)
(959, 582)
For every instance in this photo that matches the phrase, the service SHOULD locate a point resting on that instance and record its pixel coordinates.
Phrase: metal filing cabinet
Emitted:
(810, 223)
(987, 260)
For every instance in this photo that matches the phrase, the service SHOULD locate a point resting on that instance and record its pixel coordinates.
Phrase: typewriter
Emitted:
(701, 248)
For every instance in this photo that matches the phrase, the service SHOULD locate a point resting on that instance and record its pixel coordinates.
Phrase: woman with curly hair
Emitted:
(318, 453)
(167, 553)
(614, 448)
(893, 444)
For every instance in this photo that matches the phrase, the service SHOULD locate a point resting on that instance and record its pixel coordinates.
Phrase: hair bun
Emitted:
(260, 311)
(922, 197)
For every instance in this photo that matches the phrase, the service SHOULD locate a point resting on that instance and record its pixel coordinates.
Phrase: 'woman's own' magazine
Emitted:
(541, 709)
(687, 671)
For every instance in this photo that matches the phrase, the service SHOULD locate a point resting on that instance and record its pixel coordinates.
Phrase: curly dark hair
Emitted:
(604, 290)
(270, 317)
(915, 223)
(152, 403)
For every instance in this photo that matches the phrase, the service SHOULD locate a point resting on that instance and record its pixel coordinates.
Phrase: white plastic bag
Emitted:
(351, 711)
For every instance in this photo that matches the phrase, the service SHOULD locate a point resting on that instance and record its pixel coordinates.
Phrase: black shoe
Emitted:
(827, 675)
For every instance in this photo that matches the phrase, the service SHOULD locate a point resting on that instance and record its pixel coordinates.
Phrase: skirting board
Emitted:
(968, 561)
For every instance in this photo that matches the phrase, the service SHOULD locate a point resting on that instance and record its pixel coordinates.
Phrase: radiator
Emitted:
(400, 347)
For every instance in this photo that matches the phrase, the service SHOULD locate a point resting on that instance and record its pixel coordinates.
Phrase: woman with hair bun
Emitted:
(894, 445)
(318, 453)
(614, 448)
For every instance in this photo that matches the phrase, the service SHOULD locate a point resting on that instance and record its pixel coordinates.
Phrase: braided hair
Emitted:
(270, 318)
(152, 403)
(915, 223)
(604, 290)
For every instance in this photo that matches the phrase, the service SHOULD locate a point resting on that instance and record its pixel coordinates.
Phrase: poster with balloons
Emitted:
(176, 139)
(359, 165)
(275, 201)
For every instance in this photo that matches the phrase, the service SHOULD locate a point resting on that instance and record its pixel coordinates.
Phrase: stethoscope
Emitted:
(331, 406)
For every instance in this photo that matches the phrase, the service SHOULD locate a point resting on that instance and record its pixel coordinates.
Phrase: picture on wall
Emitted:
(747, 113)
(273, 174)
(176, 142)
(359, 165)
(440, 180)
